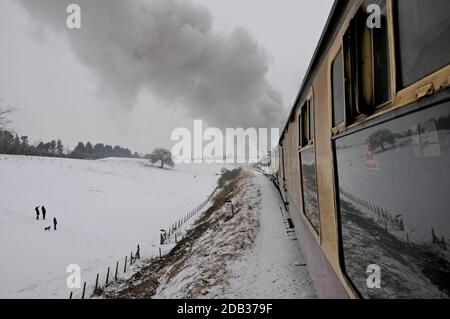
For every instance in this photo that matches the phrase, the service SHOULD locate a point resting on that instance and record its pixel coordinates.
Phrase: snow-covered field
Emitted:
(104, 209)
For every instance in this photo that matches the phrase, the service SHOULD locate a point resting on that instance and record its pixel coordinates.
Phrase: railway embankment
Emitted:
(245, 252)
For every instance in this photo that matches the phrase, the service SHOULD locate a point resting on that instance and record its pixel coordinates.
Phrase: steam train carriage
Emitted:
(365, 153)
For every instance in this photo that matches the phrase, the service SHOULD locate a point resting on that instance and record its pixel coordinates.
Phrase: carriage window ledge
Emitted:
(425, 90)
(339, 129)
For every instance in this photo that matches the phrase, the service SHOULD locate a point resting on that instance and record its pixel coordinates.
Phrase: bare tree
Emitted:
(5, 112)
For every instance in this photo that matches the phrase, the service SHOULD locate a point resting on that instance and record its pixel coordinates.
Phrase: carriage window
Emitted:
(337, 76)
(306, 124)
(367, 62)
(394, 219)
(309, 187)
(423, 29)
(301, 137)
(380, 58)
(308, 166)
(311, 120)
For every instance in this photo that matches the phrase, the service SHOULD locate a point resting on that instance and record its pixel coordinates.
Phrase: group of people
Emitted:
(44, 212)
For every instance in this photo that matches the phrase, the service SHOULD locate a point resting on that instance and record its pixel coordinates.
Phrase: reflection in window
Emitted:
(394, 186)
(423, 29)
(309, 183)
(337, 76)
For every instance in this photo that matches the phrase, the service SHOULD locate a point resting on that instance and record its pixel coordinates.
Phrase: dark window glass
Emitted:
(300, 131)
(305, 125)
(394, 186)
(381, 63)
(308, 166)
(311, 120)
(423, 34)
(337, 75)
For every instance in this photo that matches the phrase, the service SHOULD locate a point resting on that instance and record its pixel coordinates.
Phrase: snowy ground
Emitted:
(104, 208)
(275, 267)
(252, 255)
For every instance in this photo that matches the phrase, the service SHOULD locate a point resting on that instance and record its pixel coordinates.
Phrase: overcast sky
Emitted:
(135, 71)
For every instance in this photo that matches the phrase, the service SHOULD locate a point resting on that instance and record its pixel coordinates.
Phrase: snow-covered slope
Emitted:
(254, 254)
(104, 209)
(275, 266)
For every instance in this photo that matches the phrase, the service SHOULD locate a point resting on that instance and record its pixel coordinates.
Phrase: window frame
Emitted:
(399, 101)
(400, 97)
(412, 108)
(343, 125)
(308, 104)
(391, 58)
(355, 115)
(429, 85)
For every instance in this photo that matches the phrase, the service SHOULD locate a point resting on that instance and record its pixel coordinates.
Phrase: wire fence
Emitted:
(173, 233)
(170, 236)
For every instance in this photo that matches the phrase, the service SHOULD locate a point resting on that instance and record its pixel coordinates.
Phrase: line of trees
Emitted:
(97, 151)
(19, 145)
(13, 144)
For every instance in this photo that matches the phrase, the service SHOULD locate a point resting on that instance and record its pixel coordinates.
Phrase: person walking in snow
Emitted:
(44, 211)
(36, 209)
(55, 222)
(138, 252)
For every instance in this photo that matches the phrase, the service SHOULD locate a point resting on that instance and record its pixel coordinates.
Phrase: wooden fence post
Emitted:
(107, 277)
(131, 258)
(175, 238)
(117, 269)
(160, 253)
(84, 290)
(96, 285)
(125, 265)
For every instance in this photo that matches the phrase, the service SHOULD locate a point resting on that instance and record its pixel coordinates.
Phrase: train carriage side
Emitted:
(364, 159)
